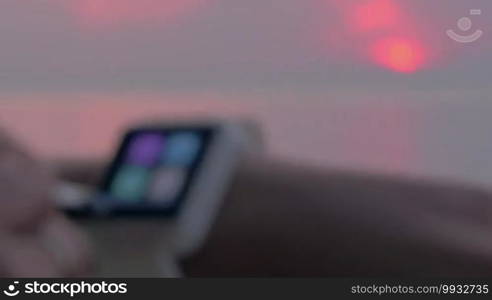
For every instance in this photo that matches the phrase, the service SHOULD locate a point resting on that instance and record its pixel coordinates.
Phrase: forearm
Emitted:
(280, 219)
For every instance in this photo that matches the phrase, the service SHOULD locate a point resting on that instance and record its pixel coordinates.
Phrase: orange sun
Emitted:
(383, 32)
(400, 55)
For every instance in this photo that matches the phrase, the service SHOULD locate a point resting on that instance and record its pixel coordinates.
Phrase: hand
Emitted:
(35, 239)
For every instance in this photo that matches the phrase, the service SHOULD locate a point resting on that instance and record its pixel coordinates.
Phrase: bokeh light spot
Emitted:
(374, 14)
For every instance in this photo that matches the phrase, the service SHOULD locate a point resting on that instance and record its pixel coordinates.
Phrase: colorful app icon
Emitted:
(182, 149)
(145, 149)
(130, 183)
(166, 185)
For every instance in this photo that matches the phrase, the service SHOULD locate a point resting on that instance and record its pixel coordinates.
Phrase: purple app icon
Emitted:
(145, 149)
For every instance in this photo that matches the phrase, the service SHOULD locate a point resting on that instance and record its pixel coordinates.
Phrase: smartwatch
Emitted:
(160, 195)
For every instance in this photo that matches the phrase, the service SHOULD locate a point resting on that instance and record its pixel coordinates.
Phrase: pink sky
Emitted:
(118, 45)
(390, 91)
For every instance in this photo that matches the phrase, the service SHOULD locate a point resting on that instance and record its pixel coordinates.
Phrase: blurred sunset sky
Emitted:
(372, 85)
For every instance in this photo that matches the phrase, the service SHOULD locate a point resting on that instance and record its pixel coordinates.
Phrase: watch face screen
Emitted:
(153, 171)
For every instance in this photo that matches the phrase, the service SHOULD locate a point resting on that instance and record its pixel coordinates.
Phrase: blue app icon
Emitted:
(182, 149)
